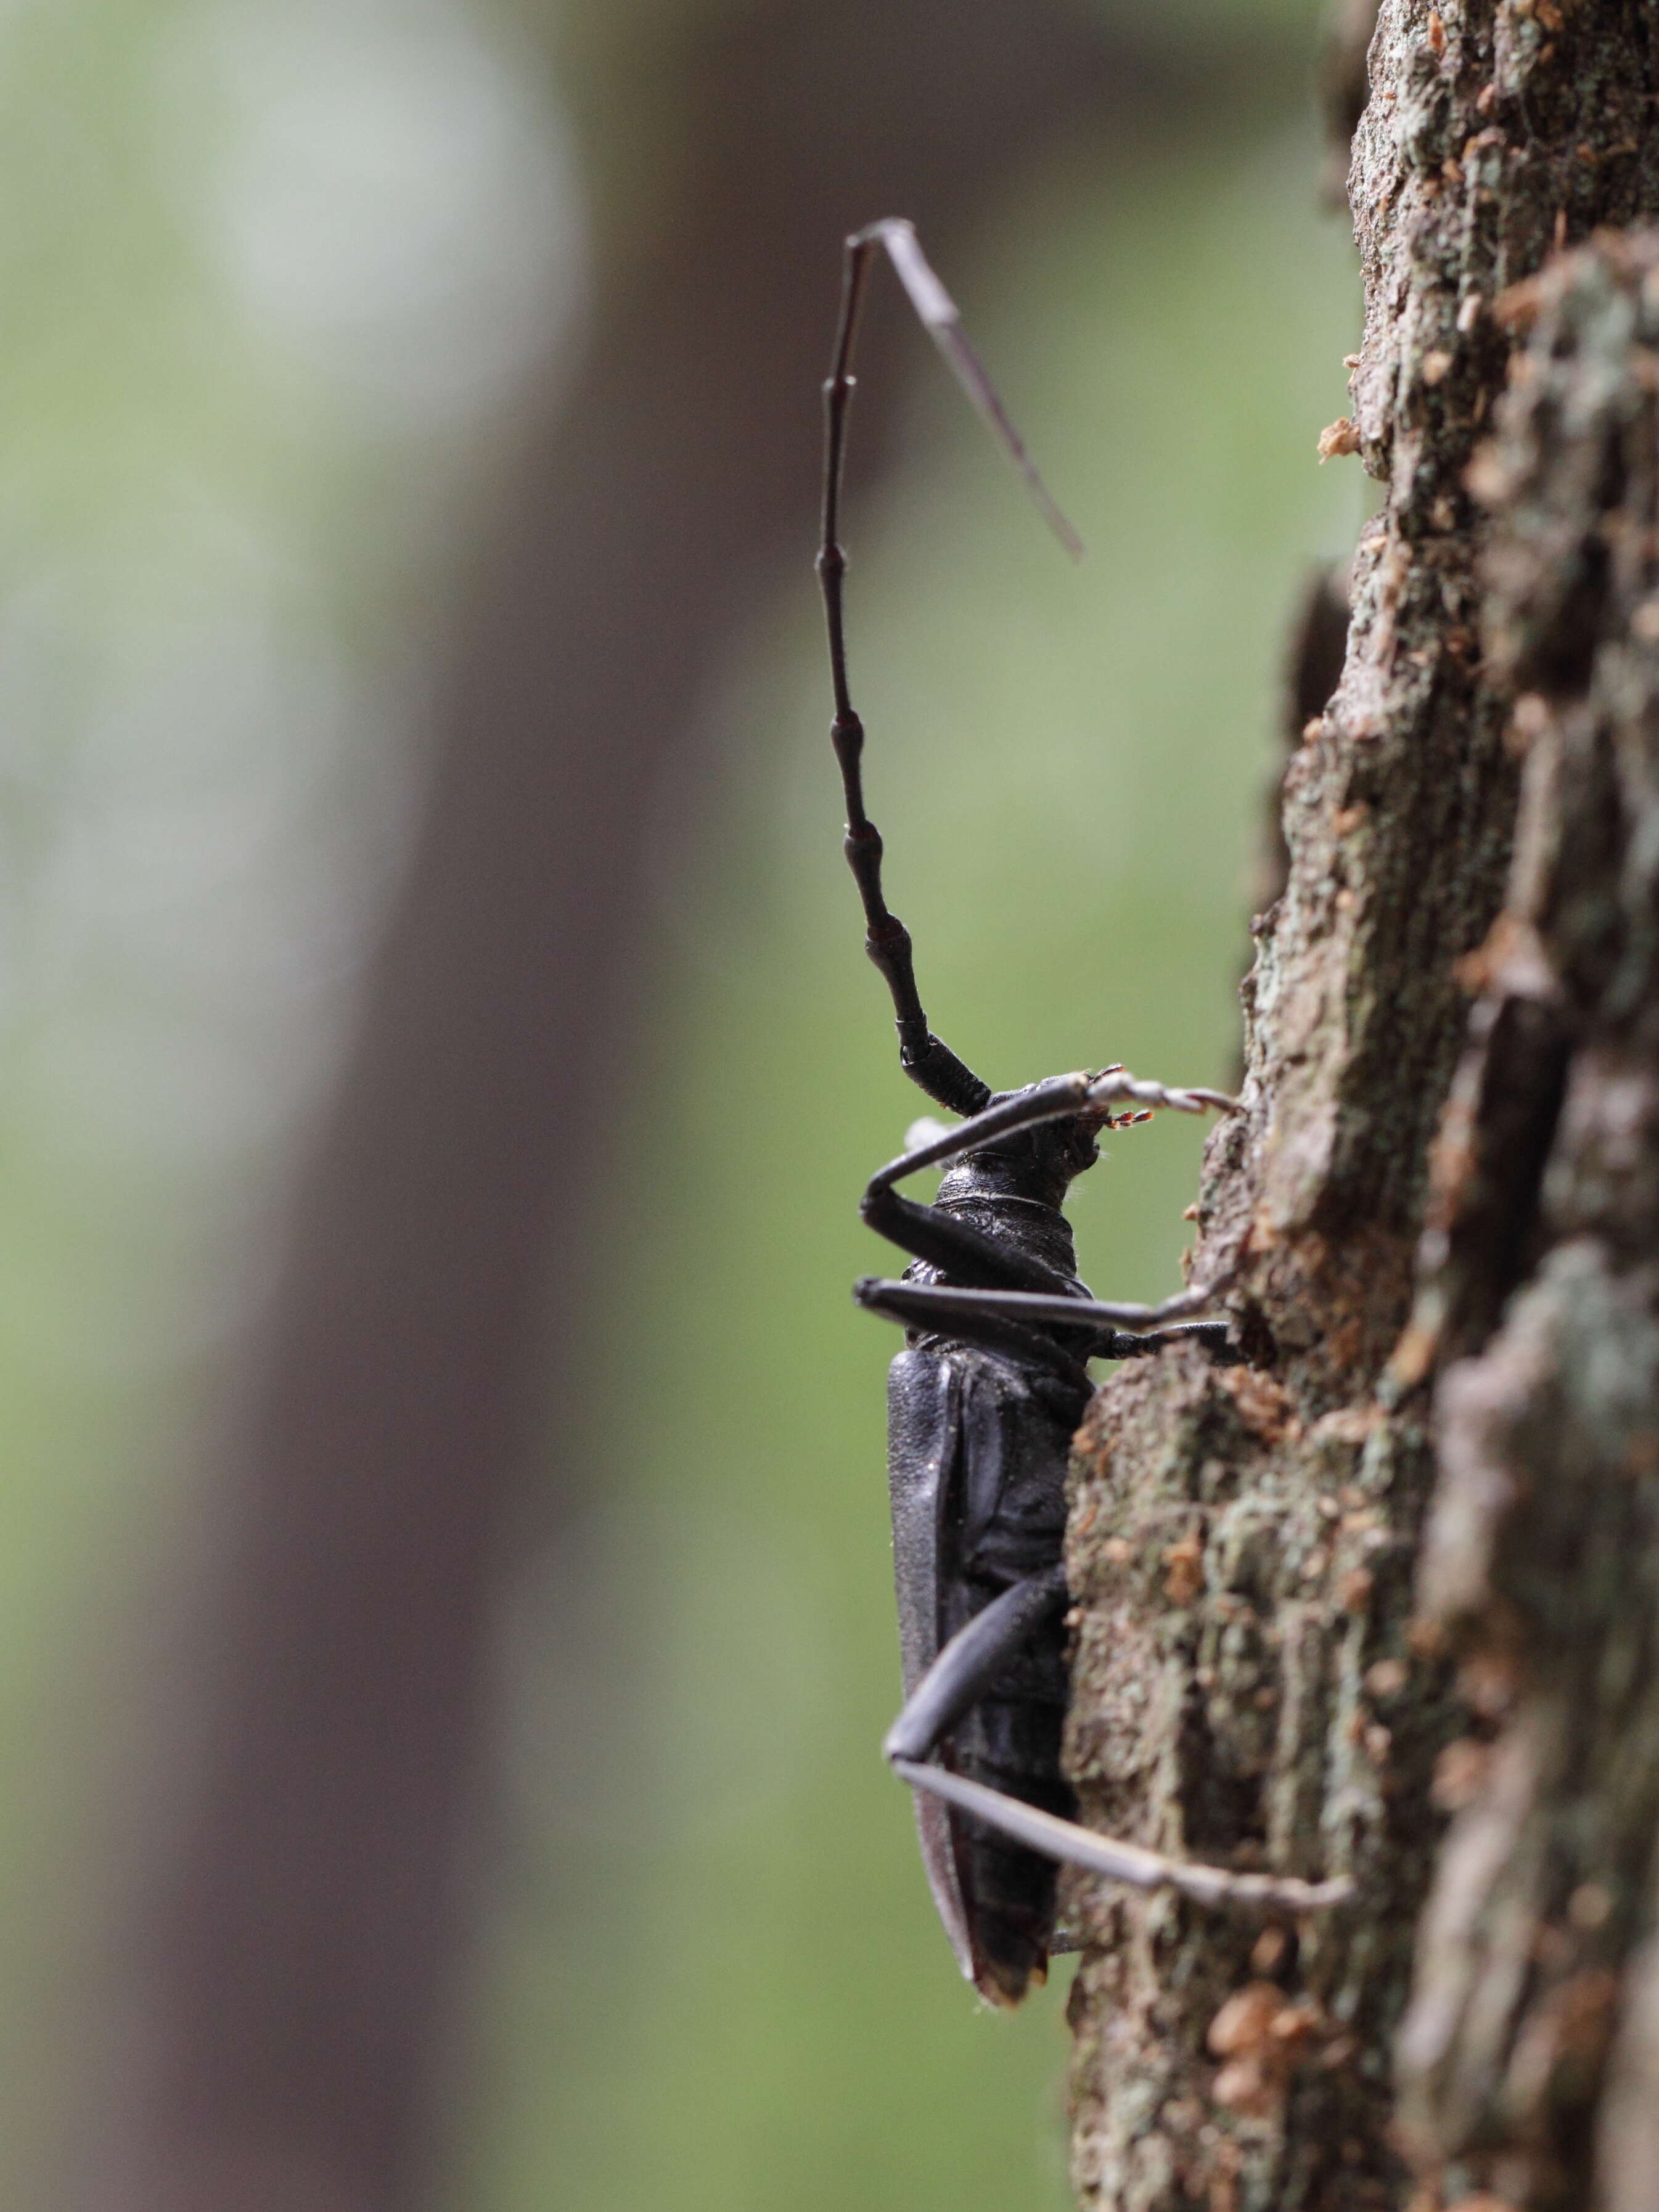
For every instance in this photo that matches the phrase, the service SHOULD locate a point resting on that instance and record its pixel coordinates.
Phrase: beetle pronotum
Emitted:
(984, 1397)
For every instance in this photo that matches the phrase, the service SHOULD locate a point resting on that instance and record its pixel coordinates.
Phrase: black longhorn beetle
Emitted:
(984, 1397)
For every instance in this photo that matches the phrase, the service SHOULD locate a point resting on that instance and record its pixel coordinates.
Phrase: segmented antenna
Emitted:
(924, 1057)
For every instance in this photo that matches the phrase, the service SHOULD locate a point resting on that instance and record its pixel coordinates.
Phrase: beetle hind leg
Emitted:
(964, 1671)
(1130, 1863)
(1011, 1739)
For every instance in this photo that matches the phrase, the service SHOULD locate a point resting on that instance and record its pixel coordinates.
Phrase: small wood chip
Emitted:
(1245, 2020)
(1516, 308)
(1588, 1907)
(1184, 1562)
(1267, 1952)
(1353, 1590)
(1459, 1773)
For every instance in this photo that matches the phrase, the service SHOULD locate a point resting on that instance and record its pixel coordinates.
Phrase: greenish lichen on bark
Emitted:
(1541, 1272)
(1251, 1680)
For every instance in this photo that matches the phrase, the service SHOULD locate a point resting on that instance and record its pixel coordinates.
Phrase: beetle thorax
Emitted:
(1014, 1190)
(1037, 1165)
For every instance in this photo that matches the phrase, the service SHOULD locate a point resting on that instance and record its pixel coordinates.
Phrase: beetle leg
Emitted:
(971, 1661)
(928, 1234)
(960, 1676)
(1210, 1336)
(941, 1305)
(908, 1304)
(1051, 1100)
(1127, 1862)
(938, 1238)
(999, 1320)
(1117, 1083)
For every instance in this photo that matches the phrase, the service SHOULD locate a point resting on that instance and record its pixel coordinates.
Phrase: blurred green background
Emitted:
(281, 281)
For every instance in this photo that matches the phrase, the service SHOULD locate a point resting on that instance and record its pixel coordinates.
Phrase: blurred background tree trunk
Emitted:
(1403, 1565)
(287, 2021)
(297, 288)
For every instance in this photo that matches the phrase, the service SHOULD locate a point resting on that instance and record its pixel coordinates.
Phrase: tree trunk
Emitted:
(1400, 1565)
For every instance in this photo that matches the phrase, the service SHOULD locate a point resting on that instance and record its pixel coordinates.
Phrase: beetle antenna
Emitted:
(937, 312)
(927, 1060)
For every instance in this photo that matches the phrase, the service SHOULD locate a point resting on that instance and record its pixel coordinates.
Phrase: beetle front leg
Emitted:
(1051, 1100)
(927, 1233)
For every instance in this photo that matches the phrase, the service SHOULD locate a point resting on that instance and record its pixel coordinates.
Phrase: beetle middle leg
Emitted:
(960, 1313)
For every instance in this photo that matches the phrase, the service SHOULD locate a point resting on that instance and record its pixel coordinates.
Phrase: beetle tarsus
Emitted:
(1131, 1863)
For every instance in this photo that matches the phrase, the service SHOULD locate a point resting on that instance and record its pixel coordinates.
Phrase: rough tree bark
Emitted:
(1542, 1549)
(1402, 1564)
